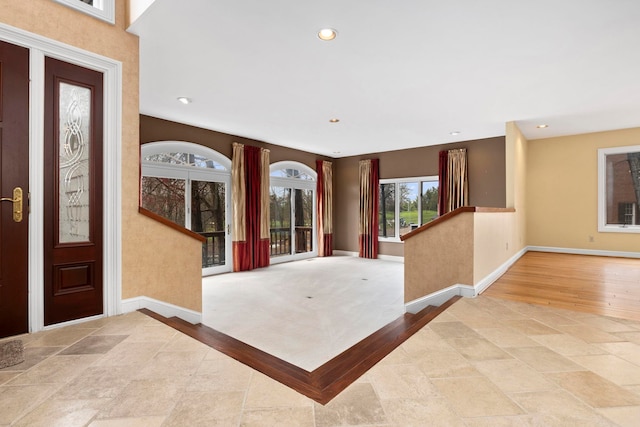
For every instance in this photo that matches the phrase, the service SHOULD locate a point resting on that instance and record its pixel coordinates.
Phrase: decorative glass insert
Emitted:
(184, 159)
(619, 189)
(74, 106)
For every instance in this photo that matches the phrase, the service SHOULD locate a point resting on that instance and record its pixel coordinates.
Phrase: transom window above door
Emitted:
(189, 184)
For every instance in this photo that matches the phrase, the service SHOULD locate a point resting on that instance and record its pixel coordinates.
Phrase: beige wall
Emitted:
(148, 260)
(494, 242)
(516, 184)
(486, 183)
(562, 192)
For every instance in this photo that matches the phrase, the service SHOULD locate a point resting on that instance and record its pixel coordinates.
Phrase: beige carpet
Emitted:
(305, 312)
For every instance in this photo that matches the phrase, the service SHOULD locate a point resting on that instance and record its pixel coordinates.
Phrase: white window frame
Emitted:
(190, 173)
(603, 227)
(397, 182)
(301, 184)
(101, 9)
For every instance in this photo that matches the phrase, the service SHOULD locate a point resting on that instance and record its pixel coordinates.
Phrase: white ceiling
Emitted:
(400, 74)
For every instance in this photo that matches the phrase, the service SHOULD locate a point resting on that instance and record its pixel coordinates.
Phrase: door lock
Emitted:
(17, 203)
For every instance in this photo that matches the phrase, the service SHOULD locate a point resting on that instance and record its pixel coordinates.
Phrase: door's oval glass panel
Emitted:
(74, 123)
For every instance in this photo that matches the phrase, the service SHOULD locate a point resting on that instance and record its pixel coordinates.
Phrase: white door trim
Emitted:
(112, 279)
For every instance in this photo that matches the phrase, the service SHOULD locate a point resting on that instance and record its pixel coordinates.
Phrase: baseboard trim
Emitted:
(163, 308)
(393, 258)
(345, 253)
(439, 297)
(488, 280)
(596, 252)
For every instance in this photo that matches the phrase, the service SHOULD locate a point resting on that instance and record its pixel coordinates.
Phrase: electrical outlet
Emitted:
(591, 238)
(507, 244)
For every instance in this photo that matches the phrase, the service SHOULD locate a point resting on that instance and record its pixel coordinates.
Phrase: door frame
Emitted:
(39, 47)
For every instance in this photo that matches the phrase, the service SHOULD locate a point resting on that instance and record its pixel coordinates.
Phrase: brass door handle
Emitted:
(17, 203)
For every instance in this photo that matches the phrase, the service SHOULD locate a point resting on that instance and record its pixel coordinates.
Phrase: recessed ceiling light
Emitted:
(327, 34)
(334, 120)
(454, 133)
(542, 126)
(184, 100)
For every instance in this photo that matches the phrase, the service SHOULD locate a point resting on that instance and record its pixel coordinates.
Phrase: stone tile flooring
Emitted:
(483, 362)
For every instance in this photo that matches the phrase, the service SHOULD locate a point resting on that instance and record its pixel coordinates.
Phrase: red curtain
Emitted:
(324, 208)
(368, 230)
(251, 216)
(443, 191)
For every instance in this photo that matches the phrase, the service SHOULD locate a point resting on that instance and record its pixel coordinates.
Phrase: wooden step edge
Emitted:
(392, 336)
(327, 381)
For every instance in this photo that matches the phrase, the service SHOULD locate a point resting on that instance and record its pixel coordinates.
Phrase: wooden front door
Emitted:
(14, 179)
(73, 192)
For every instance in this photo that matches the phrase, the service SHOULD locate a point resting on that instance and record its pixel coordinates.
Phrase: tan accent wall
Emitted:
(562, 192)
(486, 183)
(150, 251)
(464, 249)
(439, 257)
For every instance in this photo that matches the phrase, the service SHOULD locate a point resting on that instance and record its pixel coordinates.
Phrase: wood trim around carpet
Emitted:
(328, 380)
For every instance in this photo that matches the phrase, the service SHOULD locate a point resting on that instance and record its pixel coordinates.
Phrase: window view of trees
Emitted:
(415, 204)
(429, 201)
(189, 188)
(280, 220)
(165, 197)
(208, 219)
(387, 211)
(292, 197)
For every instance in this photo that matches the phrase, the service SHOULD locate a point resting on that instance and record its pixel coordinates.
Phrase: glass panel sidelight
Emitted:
(429, 201)
(409, 201)
(165, 197)
(74, 108)
(208, 220)
(304, 217)
(387, 210)
(280, 217)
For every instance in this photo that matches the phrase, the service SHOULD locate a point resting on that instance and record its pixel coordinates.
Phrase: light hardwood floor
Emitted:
(600, 285)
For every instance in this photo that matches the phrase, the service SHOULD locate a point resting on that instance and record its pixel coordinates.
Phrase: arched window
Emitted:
(292, 211)
(189, 184)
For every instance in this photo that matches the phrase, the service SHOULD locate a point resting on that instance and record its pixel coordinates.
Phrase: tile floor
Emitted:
(483, 362)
